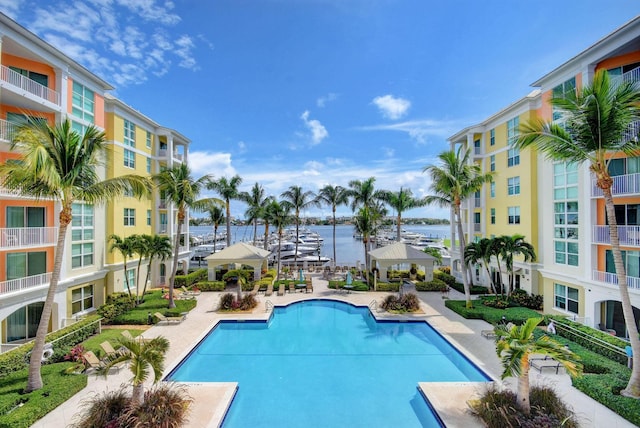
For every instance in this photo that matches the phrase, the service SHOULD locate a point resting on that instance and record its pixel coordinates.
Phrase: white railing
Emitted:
(477, 202)
(629, 235)
(633, 283)
(25, 283)
(16, 79)
(477, 227)
(628, 184)
(162, 153)
(183, 249)
(178, 156)
(20, 237)
(7, 130)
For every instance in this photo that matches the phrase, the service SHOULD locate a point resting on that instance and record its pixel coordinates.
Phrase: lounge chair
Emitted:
(292, 287)
(256, 288)
(107, 348)
(269, 291)
(281, 289)
(189, 292)
(309, 288)
(544, 362)
(169, 320)
(95, 363)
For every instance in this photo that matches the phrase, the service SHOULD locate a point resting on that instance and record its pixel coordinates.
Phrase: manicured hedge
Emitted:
(435, 285)
(605, 389)
(189, 279)
(475, 289)
(211, 285)
(388, 286)
(357, 285)
(491, 315)
(154, 302)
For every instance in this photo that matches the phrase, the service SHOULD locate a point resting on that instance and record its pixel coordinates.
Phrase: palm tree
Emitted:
(452, 182)
(363, 193)
(279, 216)
(140, 246)
(481, 252)
(366, 224)
(333, 196)
(265, 215)
(143, 357)
(514, 346)
(215, 215)
(514, 245)
(597, 120)
(159, 247)
(228, 189)
(434, 252)
(256, 202)
(296, 199)
(59, 163)
(401, 201)
(182, 190)
(126, 249)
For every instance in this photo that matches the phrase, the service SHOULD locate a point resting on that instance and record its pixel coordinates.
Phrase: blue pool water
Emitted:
(323, 363)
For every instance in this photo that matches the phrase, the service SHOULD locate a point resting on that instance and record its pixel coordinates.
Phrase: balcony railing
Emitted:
(21, 237)
(31, 86)
(162, 204)
(477, 227)
(628, 235)
(628, 184)
(25, 283)
(162, 153)
(7, 130)
(633, 283)
(477, 202)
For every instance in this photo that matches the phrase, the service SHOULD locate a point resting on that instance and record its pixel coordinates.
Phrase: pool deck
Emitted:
(210, 401)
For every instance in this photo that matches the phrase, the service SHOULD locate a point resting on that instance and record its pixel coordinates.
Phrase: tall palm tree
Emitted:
(59, 163)
(453, 181)
(481, 252)
(401, 201)
(279, 216)
(296, 199)
(215, 214)
(333, 196)
(366, 223)
(183, 191)
(159, 248)
(228, 190)
(144, 357)
(140, 247)
(363, 193)
(597, 121)
(255, 199)
(126, 249)
(266, 217)
(514, 346)
(511, 246)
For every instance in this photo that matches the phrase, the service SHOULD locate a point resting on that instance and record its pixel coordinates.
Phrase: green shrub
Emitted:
(522, 298)
(237, 273)
(444, 269)
(271, 273)
(211, 285)
(228, 302)
(515, 315)
(357, 285)
(154, 302)
(495, 303)
(475, 289)
(434, 285)
(407, 303)
(116, 304)
(388, 286)
(447, 278)
(191, 278)
(605, 389)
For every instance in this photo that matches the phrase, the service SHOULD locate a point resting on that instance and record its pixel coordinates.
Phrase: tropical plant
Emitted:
(215, 215)
(596, 122)
(228, 190)
(125, 248)
(279, 216)
(515, 346)
(265, 215)
(401, 201)
(453, 181)
(481, 252)
(159, 248)
(182, 190)
(294, 198)
(333, 196)
(61, 164)
(434, 252)
(139, 246)
(143, 356)
(363, 193)
(255, 201)
(366, 223)
(508, 247)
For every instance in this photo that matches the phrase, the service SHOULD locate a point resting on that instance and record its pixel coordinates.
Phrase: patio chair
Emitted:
(107, 348)
(309, 288)
(269, 291)
(189, 292)
(95, 363)
(256, 289)
(539, 363)
(281, 289)
(169, 320)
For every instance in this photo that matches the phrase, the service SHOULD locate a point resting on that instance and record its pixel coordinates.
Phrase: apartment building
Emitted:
(567, 226)
(40, 81)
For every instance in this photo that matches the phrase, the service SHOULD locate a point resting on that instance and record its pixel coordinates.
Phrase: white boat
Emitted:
(204, 250)
(288, 248)
(301, 259)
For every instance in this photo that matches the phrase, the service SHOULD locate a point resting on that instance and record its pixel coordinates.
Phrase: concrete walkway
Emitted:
(212, 400)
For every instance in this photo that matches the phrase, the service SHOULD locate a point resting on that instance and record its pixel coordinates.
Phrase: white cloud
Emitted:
(11, 7)
(318, 131)
(323, 100)
(242, 146)
(215, 163)
(391, 107)
(419, 130)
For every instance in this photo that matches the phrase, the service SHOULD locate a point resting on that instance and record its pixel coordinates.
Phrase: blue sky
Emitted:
(316, 92)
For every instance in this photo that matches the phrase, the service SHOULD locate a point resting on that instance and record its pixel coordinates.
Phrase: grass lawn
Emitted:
(110, 334)
(517, 315)
(153, 302)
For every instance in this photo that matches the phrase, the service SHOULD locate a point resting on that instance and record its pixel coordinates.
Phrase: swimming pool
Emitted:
(323, 363)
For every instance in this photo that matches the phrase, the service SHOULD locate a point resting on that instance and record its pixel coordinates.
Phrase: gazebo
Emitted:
(241, 253)
(401, 253)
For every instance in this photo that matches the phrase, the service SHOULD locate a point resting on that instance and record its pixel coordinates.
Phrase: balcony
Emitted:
(162, 204)
(628, 184)
(26, 283)
(7, 130)
(608, 278)
(24, 84)
(25, 237)
(629, 235)
(477, 227)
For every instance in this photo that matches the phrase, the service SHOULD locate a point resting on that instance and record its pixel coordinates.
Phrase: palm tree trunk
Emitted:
(633, 387)
(295, 255)
(137, 396)
(465, 282)
(176, 254)
(147, 277)
(126, 277)
(255, 231)
(138, 281)
(398, 232)
(266, 235)
(522, 396)
(279, 249)
(34, 380)
(334, 236)
(228, 223)
(215, 237)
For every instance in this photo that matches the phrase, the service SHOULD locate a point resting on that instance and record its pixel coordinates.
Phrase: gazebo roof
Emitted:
(400, 253)
(238, 253)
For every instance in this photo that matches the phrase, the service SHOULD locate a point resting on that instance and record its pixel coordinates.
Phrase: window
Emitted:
(492, 162)
(81, 299)
(24, 217)
(128, 193)
(163, 222)
(493, 216)
(512, 129)
(566, 252)
(129, 158)
(513, 157)
(148, 217)
(565, 298)
(78, 127)
(566, 220)
(129, 133)
(42, 79)
(492, 137)
(623, 166)
(631, 260)
(627, 215)
(513, 186)
(476, 146)
(129, 217)
(23, 264)
(148, 139)
(561, 91)
(130, 280)
(492, 188)
(83, 103)
(565, 212)
(82, 235)
(514, 215)
(149, 165)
